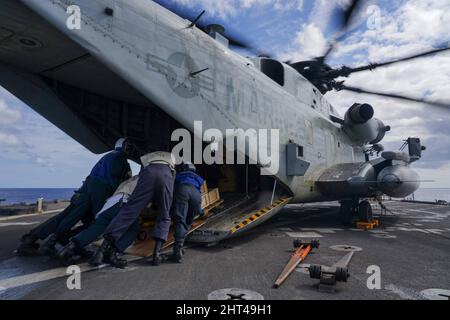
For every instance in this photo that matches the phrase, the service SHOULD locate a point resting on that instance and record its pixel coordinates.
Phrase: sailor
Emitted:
(155, 186)
(105, 177)
(77, 244)
(186, 206)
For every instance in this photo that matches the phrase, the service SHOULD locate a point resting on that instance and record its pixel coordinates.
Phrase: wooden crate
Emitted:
(204, 188)
(210, 199)
(213, 196)
(205, 201)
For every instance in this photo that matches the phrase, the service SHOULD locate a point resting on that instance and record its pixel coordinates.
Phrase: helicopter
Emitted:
(140, 69)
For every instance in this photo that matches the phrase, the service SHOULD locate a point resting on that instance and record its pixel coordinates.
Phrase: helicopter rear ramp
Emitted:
(245, 215)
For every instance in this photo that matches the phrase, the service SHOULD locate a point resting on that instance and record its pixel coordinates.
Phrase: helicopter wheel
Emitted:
(365, 211)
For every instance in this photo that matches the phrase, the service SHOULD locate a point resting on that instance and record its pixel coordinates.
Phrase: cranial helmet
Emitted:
(121, 144)
(159, 157)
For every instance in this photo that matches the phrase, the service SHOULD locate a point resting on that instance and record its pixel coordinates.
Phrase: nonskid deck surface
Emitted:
(411, 250)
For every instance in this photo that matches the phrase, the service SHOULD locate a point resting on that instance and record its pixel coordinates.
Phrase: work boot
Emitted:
(114, 260)
(178, 252)
(101, 253)
(72, 250)
(157, 258)
(47, 248)
(28, 246)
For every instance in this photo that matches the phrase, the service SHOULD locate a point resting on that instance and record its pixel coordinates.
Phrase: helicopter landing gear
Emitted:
(348, 211)
(365, 212)
(352, 210)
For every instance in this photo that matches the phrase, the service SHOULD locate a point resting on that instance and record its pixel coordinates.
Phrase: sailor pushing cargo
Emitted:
(187, 205)
(105, 177)
(155, 186)
(76, 247)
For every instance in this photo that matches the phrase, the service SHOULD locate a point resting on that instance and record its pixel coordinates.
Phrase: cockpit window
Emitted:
(274, 70)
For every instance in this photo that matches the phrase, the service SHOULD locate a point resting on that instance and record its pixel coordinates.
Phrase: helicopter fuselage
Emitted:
(190, 76)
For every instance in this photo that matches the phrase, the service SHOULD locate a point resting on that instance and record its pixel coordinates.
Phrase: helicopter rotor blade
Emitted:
(442, 105)
(345, 71)
(345, 18)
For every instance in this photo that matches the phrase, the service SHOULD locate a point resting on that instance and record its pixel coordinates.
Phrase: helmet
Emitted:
(186, 166)
(121, 144)
(159, 157)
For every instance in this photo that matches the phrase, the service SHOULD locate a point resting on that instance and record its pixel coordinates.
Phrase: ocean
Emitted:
(432, 194)
(15, 196)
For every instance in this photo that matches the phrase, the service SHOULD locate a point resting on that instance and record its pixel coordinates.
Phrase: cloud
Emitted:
(7, 114)
(230, 8)
(9, 140)
(30, 142)
(310, 42)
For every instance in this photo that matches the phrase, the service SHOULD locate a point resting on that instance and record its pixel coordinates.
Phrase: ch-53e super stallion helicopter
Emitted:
(134, 68)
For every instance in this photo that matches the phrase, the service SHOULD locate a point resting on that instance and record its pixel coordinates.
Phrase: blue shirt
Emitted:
(190, 178)
(111, 169)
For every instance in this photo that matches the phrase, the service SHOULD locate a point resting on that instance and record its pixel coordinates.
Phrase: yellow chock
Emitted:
(368, 225)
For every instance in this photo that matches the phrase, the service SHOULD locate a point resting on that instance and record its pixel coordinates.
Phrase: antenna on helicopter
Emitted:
(234, 39)
(194, 23)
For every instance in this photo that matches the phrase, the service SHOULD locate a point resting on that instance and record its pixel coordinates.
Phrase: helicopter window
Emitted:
(274, 70)
(300, 152)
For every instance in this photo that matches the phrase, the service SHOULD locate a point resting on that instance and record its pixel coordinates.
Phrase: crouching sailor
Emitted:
(155, 186)
(186, 206)
(102, 220)
(105, 177)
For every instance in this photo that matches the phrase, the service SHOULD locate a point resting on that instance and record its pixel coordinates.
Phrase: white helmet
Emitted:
(159, 157)
(121, 144)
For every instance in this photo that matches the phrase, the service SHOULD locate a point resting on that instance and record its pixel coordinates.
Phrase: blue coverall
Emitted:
(97, 228)
(187, 203)
(105, 177)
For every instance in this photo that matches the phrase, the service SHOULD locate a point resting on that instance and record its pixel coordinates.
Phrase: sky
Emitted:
(34, 153)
